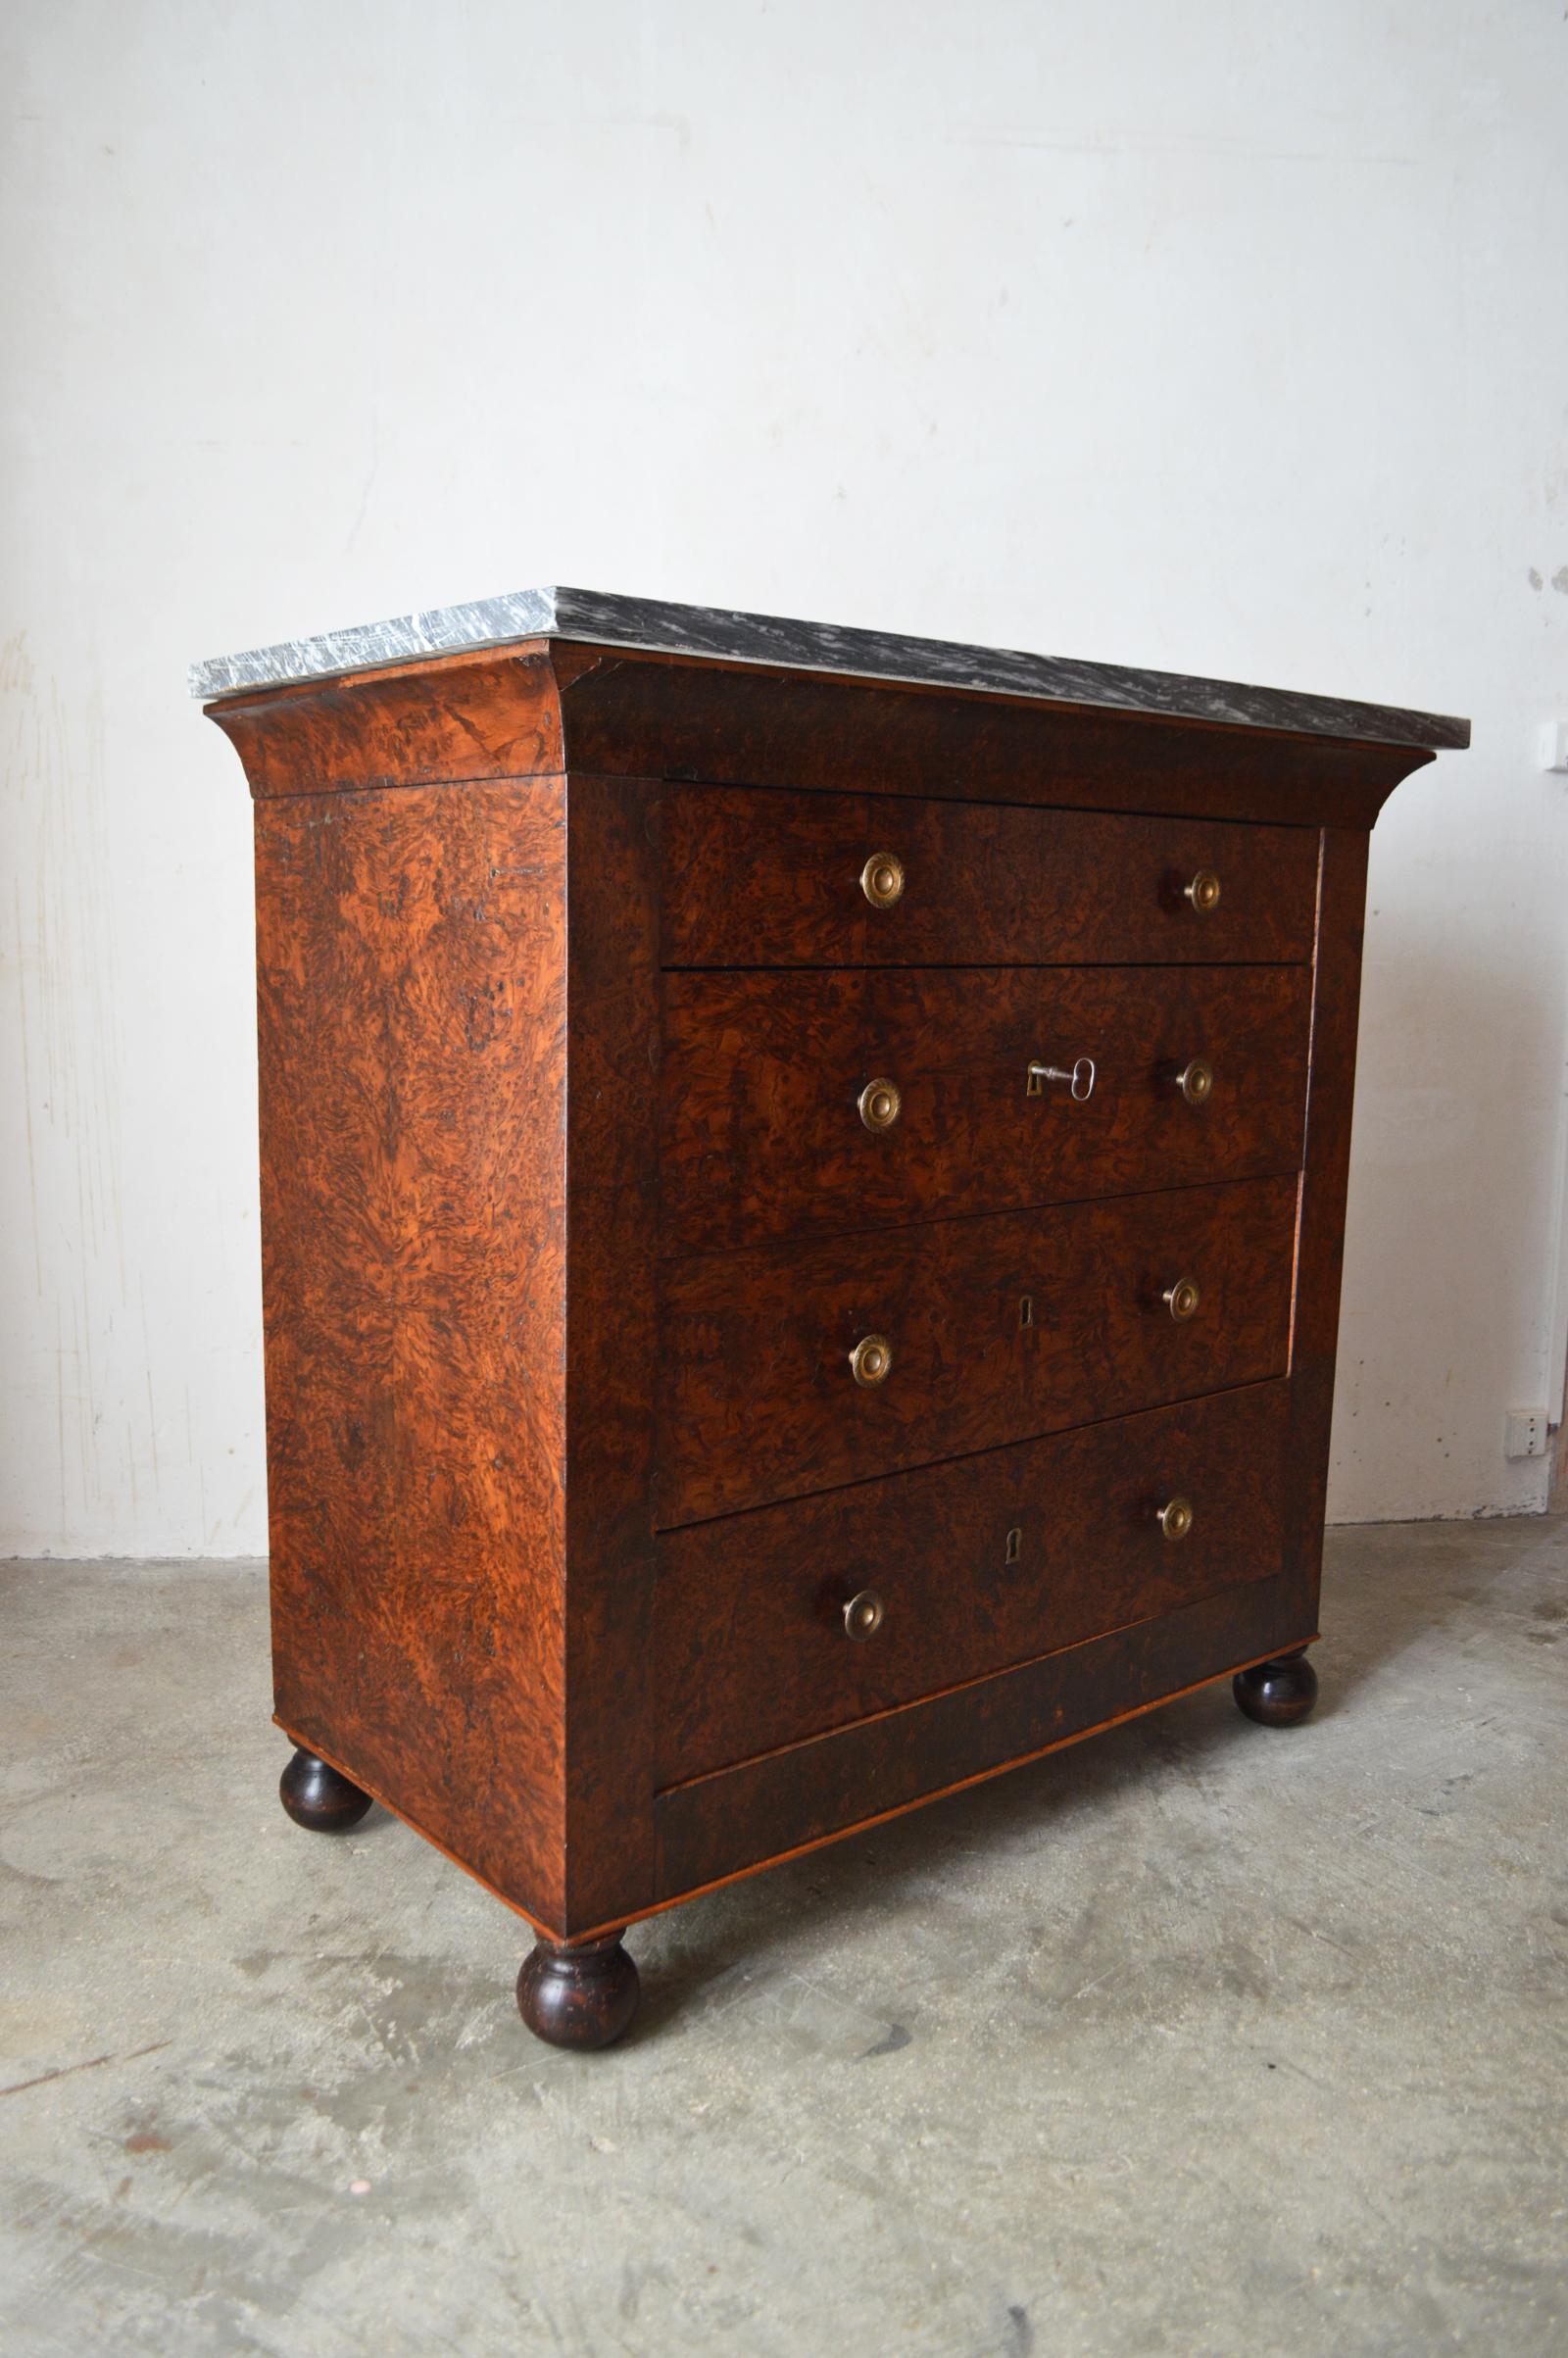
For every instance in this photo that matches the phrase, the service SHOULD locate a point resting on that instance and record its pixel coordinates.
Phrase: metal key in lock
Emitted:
(1080, 1078)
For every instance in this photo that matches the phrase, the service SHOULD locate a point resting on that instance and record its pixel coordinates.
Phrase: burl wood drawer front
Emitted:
(789, 1369)
(781, 1801)
(756, 877)
(974, 1566)
(820, 1101)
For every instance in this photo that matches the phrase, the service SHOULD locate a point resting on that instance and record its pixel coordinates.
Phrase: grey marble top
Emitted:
(604, 619)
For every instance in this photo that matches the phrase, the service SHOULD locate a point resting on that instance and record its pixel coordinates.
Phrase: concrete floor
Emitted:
(1197, 2039)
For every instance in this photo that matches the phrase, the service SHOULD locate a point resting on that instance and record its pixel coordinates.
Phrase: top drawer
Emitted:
(756, 877)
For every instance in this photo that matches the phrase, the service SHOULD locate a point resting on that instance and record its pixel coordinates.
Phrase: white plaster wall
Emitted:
(1228, 338)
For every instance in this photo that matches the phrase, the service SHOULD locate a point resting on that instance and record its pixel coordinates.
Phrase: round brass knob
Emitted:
(1196, 1081)
(882, 879)
(872, 1359)
(881, 1100)
(862, 1615)
(1204, 891)
(1176, 1518)
(1181, 1300)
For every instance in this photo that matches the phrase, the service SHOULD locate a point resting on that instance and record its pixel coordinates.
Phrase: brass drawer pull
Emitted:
(1196, 1081)
(872, 1359)
(1081, 1077)
(1181, 1300)
(882, 879)
(1202, 892)
(1176, 1518)
(880, 1101)
(862, 1615)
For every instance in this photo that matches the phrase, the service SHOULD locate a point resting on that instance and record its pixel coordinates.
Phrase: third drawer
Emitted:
(788, 1369)
(960, 1570)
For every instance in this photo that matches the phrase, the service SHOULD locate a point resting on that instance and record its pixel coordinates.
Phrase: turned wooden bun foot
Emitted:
(317, 1795)
(1277, 1694)
(583, 1997)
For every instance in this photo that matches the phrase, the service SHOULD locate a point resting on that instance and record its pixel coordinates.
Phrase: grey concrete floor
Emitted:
(1197, 2039)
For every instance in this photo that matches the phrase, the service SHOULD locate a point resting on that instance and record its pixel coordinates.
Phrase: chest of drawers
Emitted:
(802, 1182)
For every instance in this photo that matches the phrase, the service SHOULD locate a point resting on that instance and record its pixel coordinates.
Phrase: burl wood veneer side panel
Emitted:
(613, 1057)
(656, 715)
(412, 1005)
(1320, 1227)
(450, 720)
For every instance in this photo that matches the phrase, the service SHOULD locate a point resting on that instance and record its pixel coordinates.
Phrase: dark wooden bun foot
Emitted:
(1278, 1694)
(318, 1796)
(578, 1998)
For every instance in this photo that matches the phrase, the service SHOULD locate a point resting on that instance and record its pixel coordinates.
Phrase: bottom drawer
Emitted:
(746, 1817)
(974, 1565)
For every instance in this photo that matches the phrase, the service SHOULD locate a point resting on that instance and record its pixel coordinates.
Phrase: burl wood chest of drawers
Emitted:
(802, 1178)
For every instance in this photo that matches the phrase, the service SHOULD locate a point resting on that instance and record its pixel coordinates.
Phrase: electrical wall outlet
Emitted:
(1551, 752)
(1525, 1433)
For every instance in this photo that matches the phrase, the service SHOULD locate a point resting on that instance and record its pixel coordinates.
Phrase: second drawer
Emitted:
(789, 1369)
(956, 1572)
(800, 1101)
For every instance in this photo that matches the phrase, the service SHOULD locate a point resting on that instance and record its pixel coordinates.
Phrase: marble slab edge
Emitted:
(655, 626)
